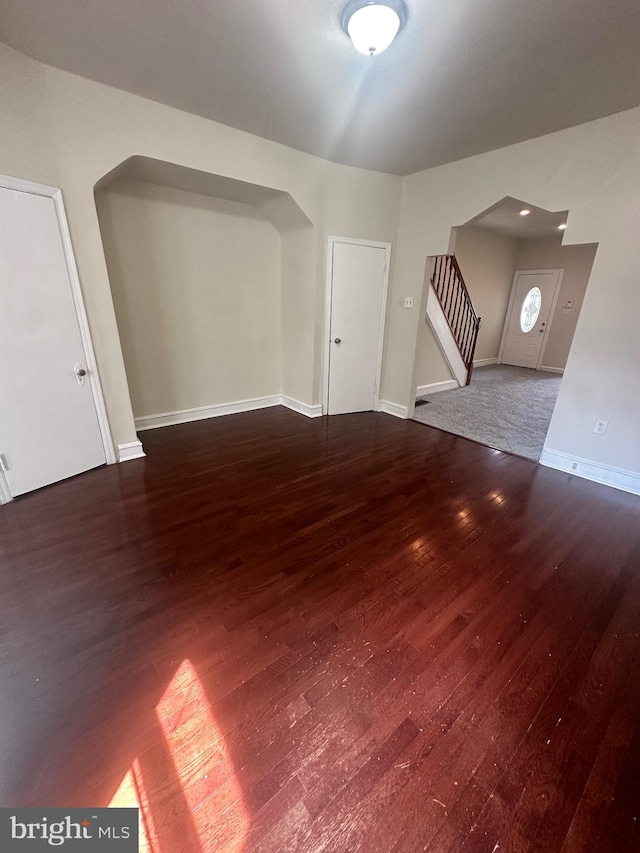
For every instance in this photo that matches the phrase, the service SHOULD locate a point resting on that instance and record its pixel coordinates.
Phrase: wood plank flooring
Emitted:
(344, 634)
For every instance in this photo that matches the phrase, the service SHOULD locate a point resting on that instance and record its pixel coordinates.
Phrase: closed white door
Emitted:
(528, 320)
(49, 428)
(357, 298)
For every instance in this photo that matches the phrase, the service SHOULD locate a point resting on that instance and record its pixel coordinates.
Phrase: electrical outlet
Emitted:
(601, 427)
(408, 302)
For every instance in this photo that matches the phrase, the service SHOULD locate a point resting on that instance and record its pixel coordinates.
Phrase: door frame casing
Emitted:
(552, 311)
(55, 193)
(352, 241)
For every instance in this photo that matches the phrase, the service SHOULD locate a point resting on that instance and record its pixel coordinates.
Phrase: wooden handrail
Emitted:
(455, 301)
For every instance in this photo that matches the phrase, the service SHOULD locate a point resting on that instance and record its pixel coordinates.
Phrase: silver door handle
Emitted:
(337, 341)
(80, 373)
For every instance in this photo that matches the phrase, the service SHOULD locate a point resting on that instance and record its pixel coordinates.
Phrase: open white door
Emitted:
(533, 297)
(49, 427)
(357, 293)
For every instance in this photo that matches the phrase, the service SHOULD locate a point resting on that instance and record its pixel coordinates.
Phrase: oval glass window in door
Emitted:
(530, 309)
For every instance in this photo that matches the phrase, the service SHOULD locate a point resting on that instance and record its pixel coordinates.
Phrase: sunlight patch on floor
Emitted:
(185, 786)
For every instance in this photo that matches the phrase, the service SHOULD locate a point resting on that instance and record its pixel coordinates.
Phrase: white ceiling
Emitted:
(463, 77)
(504, 218)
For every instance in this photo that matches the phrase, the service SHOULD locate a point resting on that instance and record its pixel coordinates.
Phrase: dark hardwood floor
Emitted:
(345, 634)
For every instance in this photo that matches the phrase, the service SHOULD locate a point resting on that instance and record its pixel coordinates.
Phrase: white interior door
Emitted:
(49, 428)
(358, 288)
(533, 296)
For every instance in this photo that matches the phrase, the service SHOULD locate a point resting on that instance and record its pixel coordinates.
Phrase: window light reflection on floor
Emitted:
(199, 796)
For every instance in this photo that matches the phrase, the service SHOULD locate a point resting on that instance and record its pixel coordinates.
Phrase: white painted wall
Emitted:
(431, 365)
(67, 131)
(196, 289)
(594, 172)
(487, 260)
(577, 261)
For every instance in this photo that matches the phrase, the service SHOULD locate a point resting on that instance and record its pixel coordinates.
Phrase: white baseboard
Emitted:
(394, 409)
(607, 475)
(301, 408)
(552, 369)
(184, 416)
(483, 362)
(130, 450)
(446, 385)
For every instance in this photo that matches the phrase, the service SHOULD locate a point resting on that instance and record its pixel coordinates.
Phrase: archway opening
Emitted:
(527, 286)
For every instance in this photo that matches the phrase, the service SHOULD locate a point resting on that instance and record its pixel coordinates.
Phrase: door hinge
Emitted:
(3, 463)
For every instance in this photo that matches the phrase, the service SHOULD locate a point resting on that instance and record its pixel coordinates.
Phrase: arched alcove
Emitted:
(213, 283)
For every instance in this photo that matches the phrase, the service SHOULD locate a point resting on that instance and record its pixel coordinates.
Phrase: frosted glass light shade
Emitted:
(373, 26)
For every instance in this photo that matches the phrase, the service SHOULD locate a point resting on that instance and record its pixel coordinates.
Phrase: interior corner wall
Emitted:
(576, 261)
(298, 314)
(593, 171)
(67, 131)
(487, 261)
(196, 288)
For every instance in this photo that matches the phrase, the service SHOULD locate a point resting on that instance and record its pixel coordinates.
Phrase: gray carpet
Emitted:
(508, 408)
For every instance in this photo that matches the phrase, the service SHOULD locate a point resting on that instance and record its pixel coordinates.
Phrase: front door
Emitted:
(49, 427)
(357, 297)
(527, 323)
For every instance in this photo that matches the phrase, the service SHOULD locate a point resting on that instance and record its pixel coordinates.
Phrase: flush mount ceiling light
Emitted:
(563, 226)
(372, 25)
(525, 212)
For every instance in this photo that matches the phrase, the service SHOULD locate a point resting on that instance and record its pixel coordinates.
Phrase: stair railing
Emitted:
(457, 307)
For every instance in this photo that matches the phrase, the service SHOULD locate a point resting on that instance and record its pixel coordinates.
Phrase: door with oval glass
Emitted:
(533, 297)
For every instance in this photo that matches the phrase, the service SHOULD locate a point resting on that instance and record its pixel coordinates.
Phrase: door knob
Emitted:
(337, 341)
(80, 373)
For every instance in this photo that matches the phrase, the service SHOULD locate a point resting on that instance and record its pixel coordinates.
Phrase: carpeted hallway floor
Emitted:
(508, 408)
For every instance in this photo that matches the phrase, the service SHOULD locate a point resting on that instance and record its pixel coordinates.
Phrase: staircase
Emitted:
(452, 316)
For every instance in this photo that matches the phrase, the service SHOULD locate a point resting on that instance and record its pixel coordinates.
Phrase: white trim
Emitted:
(444, 336)
(301, 408)
(327, 314)
(484, 362)
(55, 193)
(5, 492)
(552, 311)
(394, 409)
(130, 450)
(184, 416)
(607, 475)
(217, 410)
(559, 370)
(447, 385)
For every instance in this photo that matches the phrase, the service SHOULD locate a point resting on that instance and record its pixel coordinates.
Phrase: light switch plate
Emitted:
(408, 302)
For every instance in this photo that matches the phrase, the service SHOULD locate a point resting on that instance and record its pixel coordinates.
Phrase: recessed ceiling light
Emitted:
(525, 212)
(373, 24)
(563, 226)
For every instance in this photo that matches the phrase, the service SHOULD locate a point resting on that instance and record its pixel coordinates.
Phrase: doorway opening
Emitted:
(527, 287)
